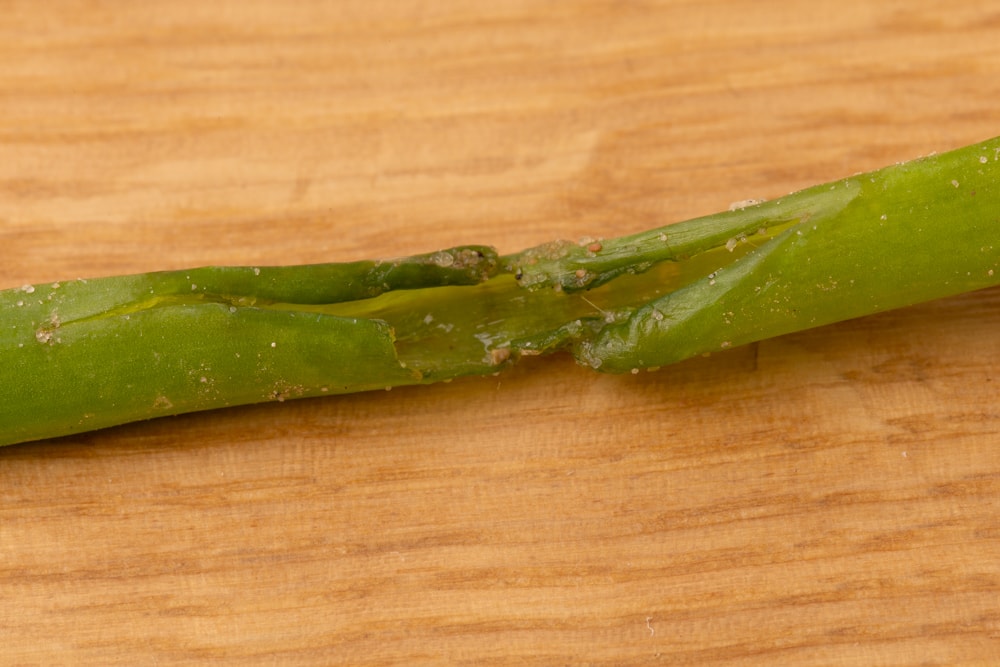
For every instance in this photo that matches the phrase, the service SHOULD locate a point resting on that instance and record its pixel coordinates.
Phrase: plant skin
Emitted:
(87, 354)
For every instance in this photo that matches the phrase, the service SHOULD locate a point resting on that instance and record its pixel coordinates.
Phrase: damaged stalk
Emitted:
(87, 354)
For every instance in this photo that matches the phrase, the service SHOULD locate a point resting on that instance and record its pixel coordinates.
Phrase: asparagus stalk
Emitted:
(87, 354)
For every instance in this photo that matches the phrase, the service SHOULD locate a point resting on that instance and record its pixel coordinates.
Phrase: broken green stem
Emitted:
(81, 355)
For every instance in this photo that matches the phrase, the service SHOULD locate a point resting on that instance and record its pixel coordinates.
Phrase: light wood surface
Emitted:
(828, 498)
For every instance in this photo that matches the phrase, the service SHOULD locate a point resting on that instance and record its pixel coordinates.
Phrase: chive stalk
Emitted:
(87, 354)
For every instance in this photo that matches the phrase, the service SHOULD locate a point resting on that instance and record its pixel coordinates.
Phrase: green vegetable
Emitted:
(82, 355)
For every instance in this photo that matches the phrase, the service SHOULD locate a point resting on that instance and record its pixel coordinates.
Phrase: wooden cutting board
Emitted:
(831, 497)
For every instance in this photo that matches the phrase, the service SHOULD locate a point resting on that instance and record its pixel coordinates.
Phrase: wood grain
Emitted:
(827, 498)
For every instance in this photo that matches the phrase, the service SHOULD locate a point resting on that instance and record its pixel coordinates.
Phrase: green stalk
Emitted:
(82, 355)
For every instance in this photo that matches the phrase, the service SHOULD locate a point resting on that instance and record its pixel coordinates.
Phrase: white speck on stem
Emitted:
(740, 205)
(955, 183)
(256, 271)
(983, 159)
(443, 259)
(27, 289)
